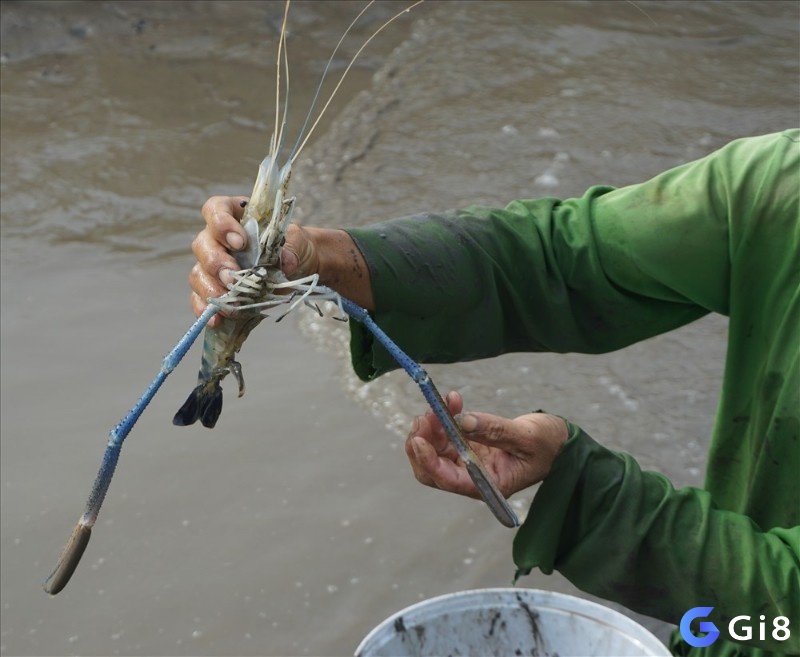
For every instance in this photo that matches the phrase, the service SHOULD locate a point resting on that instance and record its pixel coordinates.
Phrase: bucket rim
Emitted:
(507, 597)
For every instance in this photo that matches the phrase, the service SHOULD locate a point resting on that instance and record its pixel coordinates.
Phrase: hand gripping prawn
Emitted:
(258, 286)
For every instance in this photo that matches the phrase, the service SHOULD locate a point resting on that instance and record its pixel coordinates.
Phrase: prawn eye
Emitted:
(242, 204)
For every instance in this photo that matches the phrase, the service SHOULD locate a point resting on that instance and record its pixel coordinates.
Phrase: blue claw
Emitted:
(79, 538)
(488, 490)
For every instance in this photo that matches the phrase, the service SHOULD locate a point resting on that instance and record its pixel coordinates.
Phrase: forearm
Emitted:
(528, 277)
(662, 551)
(588, 274)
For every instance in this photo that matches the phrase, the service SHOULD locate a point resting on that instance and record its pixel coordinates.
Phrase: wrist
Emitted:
(340, 264)
(555, 433)
(559, 437)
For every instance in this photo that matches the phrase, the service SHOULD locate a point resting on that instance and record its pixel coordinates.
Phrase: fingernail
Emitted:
(467, 422)
(235, 241)
(416, 447)
(226, 276)
(415, 425)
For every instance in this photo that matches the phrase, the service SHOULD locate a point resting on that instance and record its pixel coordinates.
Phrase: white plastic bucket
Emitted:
(506, 622)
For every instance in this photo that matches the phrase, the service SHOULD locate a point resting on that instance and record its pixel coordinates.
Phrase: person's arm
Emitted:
(590, 274)
(616, 531)
(533, 276)
(627, 535)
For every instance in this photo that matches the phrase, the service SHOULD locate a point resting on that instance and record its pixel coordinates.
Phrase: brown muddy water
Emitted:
(295, 526)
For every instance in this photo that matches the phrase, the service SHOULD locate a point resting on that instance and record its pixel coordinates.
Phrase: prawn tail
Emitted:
(204, 403)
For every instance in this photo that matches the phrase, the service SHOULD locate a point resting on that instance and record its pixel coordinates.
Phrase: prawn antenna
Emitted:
(324, 74)
(297, 149)
(631, 2)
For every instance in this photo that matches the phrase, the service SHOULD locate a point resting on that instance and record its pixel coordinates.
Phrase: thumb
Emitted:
(490, 430)
(298, 257)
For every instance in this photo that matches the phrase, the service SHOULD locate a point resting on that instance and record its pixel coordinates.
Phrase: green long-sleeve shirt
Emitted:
(597, 273)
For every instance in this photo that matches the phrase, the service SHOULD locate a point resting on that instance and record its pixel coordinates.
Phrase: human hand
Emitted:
(223, 235)
(517, 452)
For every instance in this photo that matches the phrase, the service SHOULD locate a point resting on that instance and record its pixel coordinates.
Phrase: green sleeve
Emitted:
(629, 536)
(590, 274)
(477, 282)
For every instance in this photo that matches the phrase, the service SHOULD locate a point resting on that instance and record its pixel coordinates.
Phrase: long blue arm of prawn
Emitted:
(489, 492)
(79, 538)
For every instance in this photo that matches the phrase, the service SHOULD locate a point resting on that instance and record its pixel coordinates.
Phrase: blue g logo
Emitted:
(705, 626)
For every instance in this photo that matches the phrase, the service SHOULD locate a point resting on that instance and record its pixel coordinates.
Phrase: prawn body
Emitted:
(265, 219)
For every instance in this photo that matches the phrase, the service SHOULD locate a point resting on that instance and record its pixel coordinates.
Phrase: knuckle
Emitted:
(213, 262)
(496, 431)
(207, 209)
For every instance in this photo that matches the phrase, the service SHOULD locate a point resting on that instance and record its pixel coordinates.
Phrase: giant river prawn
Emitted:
(260, 285)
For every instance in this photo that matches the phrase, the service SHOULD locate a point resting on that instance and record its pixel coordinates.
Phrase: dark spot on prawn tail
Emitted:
(204, 404)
